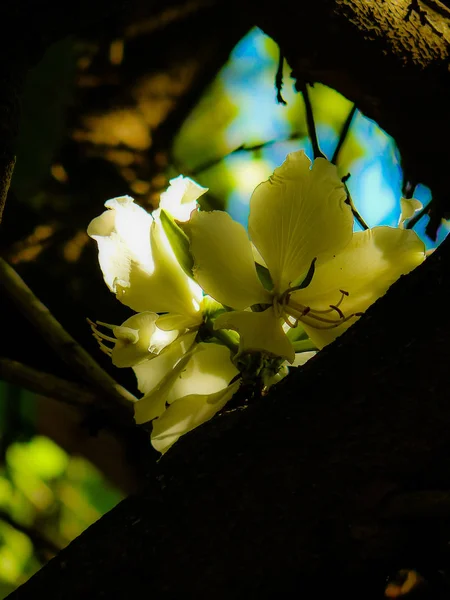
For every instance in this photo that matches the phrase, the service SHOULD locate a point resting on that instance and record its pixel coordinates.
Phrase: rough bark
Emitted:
(292, 494)
(294, 489)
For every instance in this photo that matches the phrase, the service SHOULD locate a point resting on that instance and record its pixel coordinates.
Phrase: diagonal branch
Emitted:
(58, 338)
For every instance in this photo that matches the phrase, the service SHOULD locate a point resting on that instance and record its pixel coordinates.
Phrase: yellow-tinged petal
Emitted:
(209, 370)
(138, 263)
(224, 265)
(133, 339)
(167, 288)
(302, 358)
(258, 331)
(123, 237)
(365, 269)
(180, 322)
(408, 206)
(151, 372)
(180, 198)
(299, 214)
(187, 413)
(153, 404)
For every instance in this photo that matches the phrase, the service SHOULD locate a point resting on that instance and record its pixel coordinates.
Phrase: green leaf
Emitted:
(179, 242)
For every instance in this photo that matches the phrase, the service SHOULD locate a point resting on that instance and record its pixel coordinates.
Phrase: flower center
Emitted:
(295, 312)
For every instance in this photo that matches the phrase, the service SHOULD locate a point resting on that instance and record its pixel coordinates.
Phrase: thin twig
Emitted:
(58, 338)
(46, 384)
(344, 133)
(303, 88)
(416, 218)
(279, 80)
(114, 416)
(408, 188)
(242, 148)
(355, 213)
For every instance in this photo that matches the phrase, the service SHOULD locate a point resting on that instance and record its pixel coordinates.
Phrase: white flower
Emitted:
(185, 386)
(299, 217)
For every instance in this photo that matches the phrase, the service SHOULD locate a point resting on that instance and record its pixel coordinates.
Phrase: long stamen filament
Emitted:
(311, 316)
(294, 311)
(100, 336)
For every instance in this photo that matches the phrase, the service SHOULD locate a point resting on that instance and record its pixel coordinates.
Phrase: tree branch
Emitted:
(58, 338)
(46, 385)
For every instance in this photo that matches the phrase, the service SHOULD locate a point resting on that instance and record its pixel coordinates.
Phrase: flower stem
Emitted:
(303, 88)
(223, 335)
(343, 136)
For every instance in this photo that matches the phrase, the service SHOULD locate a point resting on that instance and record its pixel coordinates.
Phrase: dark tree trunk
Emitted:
(316, 487)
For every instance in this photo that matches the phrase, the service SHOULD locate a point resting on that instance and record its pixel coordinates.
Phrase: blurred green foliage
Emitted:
(47, 498)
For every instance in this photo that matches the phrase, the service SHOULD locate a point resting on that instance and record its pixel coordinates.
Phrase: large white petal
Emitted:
(209, 370)
(151, 372)
(224, 264)
(167, 288)
(180, 198)
(159, 377)
(258, 331)
(365, 269)
(138, 263)
(123, 237)
(187, 413)
(299, 214)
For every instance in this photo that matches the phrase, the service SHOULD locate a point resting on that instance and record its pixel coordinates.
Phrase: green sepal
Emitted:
(303, 281)
(179, 242)
(264, 276)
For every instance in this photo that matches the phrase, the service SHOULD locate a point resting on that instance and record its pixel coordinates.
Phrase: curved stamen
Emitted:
(100, 336)
(333, 306)
(315, 320)
(288, 322)
(312, 316)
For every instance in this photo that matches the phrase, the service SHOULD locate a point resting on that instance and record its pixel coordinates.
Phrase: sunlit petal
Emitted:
(224, 265)
(299, 214)
(180, 199)
(408, 206)
(133, 339)
(153, 404)
(150, 373)
(365, 269)
(258, 331)
(123, 237)
(166, 289)
(180, 322)
(138, 263)
(302, 358)
(187, 413)
(209, 370)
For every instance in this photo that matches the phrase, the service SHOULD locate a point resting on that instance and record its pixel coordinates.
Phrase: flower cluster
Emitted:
(216, 306)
